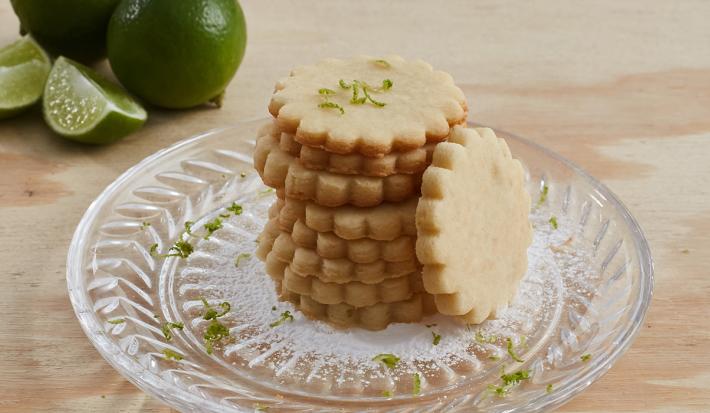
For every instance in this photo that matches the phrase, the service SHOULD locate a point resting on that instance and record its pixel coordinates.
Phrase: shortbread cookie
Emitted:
(368, 105)
(385, 222)
(354, 293)
(374, 317)
(307, 262)
(279, 169)
(361, 251)
(473, 225)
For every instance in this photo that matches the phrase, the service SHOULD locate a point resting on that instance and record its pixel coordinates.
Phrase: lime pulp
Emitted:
(24, 67)
(81, 105)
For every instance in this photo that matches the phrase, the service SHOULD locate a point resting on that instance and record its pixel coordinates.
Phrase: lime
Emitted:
(24, 67)
(74, 28)
(80, 105)
(176, 54)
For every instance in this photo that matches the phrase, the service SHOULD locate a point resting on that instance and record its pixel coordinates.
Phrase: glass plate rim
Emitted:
(91, 325)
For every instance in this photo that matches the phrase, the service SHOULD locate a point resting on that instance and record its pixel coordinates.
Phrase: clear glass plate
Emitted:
(578, 308)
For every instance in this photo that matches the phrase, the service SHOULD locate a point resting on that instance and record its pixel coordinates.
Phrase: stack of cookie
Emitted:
(346, 152)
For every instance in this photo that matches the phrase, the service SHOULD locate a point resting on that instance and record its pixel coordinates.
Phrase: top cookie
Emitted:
(368, 105)
(472, 225)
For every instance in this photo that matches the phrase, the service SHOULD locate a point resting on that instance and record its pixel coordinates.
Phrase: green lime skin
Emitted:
(73, 28)
(176, 54)
(82, 106)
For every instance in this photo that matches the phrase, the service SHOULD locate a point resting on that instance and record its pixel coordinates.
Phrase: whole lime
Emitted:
(176, 54)
(74, 28)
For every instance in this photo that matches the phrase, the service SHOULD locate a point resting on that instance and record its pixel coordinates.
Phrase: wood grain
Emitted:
(622, 88)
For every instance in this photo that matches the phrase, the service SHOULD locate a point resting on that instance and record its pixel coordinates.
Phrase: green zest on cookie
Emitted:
(117, 321)
(553, 222)
(436, 338)
(389, 360)
(382, 63)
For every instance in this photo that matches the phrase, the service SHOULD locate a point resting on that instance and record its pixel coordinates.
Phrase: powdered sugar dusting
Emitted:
(317, 357)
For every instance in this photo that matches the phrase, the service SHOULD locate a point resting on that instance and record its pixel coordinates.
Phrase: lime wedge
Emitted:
(81, 105)
(23, 70)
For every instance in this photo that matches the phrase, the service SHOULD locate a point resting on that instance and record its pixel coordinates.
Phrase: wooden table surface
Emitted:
(621, 88)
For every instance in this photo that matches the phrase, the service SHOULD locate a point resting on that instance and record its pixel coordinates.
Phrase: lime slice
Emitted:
(81, 105)
(23, 70)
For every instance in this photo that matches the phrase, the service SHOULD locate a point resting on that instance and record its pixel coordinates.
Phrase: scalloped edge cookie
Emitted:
(385, 222)
(374, 317)
(279, 169)
(473, 226)
(355, 293)
(277, 249)
(420, 106)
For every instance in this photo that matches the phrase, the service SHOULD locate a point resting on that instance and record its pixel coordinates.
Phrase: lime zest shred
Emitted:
(482, 339)
(181, 249)
(216, 331)
(168, 326)
(511, 351)
(548, 389)
(436, 338)
(386, 393)
(389, 360)
(326, 91)
(260, 407)
(331, 105)
(543, 195)
(144, 225)
(585, 357)
(212, 226)
(417, 388)
(509, 381)
(188, 227)
(240, 257)
(382, 63)
(553, 222)
(494, 357)
(373, 101)
(285, 316)
(243, 174)
(117, 321)
(235, 208)
(266, 192)
(171, 355)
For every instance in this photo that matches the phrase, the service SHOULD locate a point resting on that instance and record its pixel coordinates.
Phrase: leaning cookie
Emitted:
(473, 227)
(279, 169)
(367, 105)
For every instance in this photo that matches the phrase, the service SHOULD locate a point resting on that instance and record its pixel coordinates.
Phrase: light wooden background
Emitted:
(622, 88)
